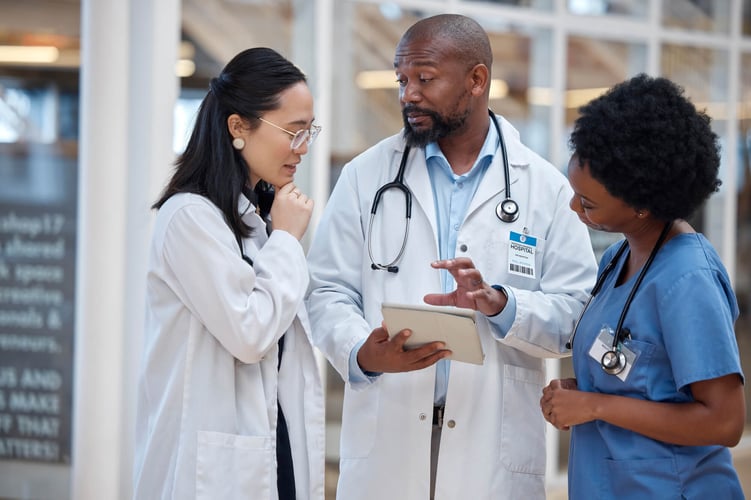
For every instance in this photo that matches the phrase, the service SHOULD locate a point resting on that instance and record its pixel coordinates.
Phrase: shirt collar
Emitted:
(489, 148)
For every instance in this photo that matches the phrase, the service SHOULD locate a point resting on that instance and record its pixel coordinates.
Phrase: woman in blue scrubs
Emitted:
(658, 394)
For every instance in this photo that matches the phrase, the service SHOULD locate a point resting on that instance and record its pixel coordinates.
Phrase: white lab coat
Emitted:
(207, 400)
(493, 440)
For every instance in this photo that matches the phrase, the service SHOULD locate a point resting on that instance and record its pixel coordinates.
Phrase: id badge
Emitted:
(521, 254)
(604, 343)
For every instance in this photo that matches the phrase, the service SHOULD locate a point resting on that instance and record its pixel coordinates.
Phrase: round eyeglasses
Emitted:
(307, 135)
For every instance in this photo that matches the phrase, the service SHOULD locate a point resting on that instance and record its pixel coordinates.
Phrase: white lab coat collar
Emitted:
(416, 172)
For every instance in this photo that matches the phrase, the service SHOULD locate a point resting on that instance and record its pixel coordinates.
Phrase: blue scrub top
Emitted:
(681, 322)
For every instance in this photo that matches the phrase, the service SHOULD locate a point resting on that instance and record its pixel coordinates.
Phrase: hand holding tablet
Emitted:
(454, 326)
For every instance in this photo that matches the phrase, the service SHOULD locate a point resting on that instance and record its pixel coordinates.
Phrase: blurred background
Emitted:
(97, 98)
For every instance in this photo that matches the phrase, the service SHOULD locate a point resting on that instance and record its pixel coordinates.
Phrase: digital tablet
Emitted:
(454, 326)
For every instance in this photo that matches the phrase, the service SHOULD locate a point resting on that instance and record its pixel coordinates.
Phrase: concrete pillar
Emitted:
(128, 90)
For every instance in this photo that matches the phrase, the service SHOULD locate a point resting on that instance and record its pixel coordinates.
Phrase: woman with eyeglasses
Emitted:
(230, 401)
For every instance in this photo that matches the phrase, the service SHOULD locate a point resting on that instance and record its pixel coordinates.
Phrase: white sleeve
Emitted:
(246, 308)
(545, 317)
(335, 260)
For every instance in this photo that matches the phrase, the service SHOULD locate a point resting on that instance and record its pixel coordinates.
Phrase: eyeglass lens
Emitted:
(300, 137)
(305, 135)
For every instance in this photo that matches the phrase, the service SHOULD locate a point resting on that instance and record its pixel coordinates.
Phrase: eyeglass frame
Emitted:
(308, 134)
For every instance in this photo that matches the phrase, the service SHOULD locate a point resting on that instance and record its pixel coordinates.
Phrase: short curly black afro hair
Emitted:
(646, 143)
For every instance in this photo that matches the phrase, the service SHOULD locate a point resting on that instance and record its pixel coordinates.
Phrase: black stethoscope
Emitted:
(507, 210)
(614, 360)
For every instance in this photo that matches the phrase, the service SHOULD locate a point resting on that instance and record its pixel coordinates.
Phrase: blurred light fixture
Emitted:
(539, 96)
(580, 97)
(185, 68)
(543, 96)
(498, 88)
(28, 54)
(386, 79)
(390, 11)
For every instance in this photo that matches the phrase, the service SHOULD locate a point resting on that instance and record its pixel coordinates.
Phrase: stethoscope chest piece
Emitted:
(613, 362)
(507, 210)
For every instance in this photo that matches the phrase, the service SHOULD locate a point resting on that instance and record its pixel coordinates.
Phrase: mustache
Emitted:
(412, 109)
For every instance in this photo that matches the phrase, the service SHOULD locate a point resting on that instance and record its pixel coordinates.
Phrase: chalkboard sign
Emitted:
(38, 193)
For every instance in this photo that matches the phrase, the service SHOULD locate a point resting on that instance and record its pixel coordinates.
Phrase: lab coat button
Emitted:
(423, 416)
(463, 248)
(451, 424)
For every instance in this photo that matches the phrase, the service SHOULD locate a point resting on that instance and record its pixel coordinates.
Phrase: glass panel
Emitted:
(522, 58)
(209, 42)
(743, 249)
(632, 8)
(186, 109)
(39, 57)
(746, 21)
(38, 226)
(534, 4)
(704, 75)
(594, 66)
(702, 15)
(366, 52)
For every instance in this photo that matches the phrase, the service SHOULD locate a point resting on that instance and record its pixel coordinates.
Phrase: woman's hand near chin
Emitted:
(291, 210)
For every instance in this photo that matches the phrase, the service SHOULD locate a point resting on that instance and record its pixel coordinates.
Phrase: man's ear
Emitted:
(480, 79)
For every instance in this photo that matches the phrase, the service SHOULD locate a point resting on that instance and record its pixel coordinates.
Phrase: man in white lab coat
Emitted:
(416, 425)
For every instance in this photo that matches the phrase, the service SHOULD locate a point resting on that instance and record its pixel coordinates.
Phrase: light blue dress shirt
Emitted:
(452, 195)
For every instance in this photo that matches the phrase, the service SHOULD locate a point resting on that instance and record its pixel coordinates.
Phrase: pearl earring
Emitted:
(238, 143)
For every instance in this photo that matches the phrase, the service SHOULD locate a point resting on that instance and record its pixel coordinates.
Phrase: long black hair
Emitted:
(249, 85)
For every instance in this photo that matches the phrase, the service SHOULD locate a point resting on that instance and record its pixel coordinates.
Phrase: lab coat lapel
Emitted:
(493, 183)
(417, 179)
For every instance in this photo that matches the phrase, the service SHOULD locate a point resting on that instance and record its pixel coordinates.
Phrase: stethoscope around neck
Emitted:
(614, 360)
(507, 210)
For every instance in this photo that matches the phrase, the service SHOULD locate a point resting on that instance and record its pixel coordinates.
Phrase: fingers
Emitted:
(291, 210)
(454, 264)
(399, 340)
(287, 188)
(439, 299)
(291, 190)
(419, 362)
(463, 270)
(554, 412)
(382, 354)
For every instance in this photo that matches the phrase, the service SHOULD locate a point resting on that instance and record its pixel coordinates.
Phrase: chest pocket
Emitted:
(638, 380)
(491, 255)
